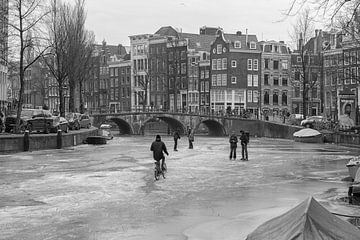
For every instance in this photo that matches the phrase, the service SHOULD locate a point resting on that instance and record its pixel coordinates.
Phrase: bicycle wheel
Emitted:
(156, 175)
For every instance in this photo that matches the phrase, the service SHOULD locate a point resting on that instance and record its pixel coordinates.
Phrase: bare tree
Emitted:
(26, 42)
(302, 31)
(81, 49)
(58, 58)
(327, 8)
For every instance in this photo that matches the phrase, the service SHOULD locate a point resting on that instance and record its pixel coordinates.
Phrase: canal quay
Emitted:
(108, 191)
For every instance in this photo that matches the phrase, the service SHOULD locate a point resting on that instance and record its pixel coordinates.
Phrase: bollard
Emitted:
(26, 141)
(59, 139)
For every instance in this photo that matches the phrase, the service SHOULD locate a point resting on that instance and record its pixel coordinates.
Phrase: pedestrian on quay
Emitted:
(233, 145)
(191, 138)
(244, 140)
(176, 137)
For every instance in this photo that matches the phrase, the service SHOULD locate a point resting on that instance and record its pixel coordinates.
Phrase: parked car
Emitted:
(10, 120)
(85, 121)
(74, 120)
(44, 121)
(310, 121)
(295, 119)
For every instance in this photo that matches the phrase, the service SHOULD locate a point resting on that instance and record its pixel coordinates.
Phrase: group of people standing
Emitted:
(244, 140)
(158, 147)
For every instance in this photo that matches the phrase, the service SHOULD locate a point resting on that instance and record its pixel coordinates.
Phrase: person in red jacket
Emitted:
(158, 148)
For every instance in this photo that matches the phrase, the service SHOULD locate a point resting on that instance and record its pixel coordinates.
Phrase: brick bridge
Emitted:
(134, 123)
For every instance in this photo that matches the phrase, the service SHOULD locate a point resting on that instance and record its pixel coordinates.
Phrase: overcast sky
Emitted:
(115, 20)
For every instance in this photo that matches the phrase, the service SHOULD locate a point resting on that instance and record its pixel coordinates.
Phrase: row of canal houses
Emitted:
(214, 72)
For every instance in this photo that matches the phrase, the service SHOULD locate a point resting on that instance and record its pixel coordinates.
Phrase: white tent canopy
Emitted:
(308, 220)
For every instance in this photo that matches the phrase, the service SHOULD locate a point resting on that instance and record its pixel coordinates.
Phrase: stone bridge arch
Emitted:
(124, 126)
(173, 123)
(214, 127)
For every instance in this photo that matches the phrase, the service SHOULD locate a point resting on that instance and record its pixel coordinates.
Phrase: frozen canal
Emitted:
(108, 192)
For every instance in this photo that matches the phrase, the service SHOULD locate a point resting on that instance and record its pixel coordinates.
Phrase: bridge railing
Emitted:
(242, 115)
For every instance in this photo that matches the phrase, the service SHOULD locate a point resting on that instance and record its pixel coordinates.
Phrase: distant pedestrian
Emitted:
(233, 145)
(244, 140)
(191, 138)
(176, 137)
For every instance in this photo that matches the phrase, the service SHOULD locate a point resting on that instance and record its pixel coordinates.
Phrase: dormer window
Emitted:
(237, 44)
(252, 45)
(219, 49)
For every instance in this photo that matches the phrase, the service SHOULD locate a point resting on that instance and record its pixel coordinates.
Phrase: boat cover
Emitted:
(307, 221)
(306, 132)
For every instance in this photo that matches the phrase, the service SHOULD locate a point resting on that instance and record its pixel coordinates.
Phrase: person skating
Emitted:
(191, 138)
(233, 145)
(244, 141)
(158, 148)
(176, 137)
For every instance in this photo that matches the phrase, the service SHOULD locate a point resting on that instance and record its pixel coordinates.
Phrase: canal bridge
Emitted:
(218, 125)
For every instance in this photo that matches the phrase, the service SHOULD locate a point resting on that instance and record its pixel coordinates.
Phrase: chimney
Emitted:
(238, 33)
(246, 39)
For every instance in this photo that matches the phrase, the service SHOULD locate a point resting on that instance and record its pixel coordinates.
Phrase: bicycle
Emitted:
(158, 171)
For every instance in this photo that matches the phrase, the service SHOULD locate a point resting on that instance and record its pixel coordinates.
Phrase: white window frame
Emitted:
(249, 80)
(213, 63)
(213, 80)
(219, 49)
(219, 64)
(233, 63)
(255, 80)
(252, 45)
(255, 96)
(237, 44)
(249, 64)
(224, 79)
(233, 80)
(224, 63)
(255, 64)
(249, 96)
(298, 59)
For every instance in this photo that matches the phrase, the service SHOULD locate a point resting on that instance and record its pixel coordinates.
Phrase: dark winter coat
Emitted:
(176, 135)
(244, 139)
(158, 147)
(233, 140)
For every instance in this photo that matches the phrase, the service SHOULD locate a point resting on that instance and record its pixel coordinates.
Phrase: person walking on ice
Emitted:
(244, 140)
(233, 145)
(176, 137)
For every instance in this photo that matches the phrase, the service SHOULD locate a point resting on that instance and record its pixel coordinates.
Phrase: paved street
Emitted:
(108, 192)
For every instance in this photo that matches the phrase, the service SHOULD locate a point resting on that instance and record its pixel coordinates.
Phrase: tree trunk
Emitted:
(72, 95)
(81, 98)
(62, 103)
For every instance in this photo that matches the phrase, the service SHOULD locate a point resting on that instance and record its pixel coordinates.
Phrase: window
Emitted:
(276, 64)
(266, 79)
(233, 63)
(284, 82)
(183, 68)
(255, 80)
(219, 49)
(233, 80)
(249, 63)
(255, 96)
(224, 63)
(202, 86)
(202, 74)
(297, 91)
(284, 98)
(249, 96)
(314, 92)
(237, 44)
(275, 98)
(207, 87)
(249, 80)
(298, 59)
(256, 64)
(284, 64)
(276, 81)
(213, 80)
(267, 63)
(218, 79)
(266, 97)
(224, 79)
(219, 64)
(297, 76)
(213, 64)
(252, 45)
(207, 72)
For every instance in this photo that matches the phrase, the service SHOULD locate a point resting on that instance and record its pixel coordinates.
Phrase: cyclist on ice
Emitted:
(158, 147)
